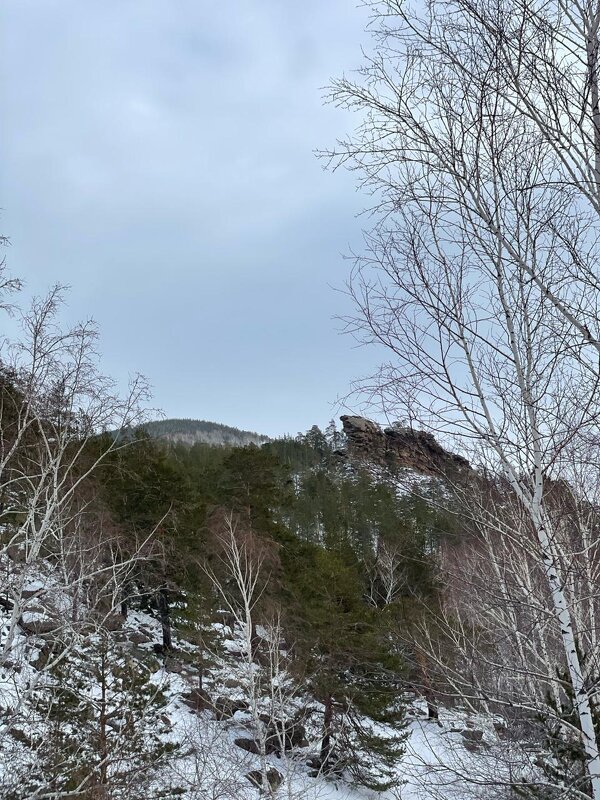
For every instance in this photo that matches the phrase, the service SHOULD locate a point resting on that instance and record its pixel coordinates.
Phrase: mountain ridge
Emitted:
(190, 431)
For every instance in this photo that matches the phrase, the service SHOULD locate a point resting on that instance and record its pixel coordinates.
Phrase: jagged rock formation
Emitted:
(400, 448)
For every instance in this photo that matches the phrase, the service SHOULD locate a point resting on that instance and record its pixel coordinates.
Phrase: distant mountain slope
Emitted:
(193, 431)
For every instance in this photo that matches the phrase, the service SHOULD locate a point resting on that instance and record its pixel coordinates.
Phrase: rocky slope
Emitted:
(209, 718)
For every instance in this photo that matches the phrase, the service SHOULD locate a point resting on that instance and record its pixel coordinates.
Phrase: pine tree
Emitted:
(102, 717)
(341, 647)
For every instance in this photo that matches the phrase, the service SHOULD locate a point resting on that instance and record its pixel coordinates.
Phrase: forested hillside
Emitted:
(408, 611)
(328, 612)
(270, 589)
(193, 431)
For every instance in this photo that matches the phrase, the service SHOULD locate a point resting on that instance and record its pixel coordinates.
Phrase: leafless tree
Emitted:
(63, 561)
(53, 402)
(276, 702)
(209, 766)
(385, 574)
(479, 141)
(240, 585)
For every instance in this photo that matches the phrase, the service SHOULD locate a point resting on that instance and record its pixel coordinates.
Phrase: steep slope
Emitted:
(203, 736)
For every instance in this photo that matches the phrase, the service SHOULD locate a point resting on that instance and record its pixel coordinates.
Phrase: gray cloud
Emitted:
(158, 157)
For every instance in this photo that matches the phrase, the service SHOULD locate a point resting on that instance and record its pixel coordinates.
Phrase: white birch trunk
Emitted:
(581, 696)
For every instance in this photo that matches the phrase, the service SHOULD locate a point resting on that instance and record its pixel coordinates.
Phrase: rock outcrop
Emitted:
(397, 448)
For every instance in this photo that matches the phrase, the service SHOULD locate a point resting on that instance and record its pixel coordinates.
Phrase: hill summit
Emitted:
(194, 431)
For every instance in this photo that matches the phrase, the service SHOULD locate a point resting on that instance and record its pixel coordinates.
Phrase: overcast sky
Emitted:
(157, 156)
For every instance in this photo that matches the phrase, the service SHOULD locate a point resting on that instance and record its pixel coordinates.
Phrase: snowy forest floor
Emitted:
(456, 758)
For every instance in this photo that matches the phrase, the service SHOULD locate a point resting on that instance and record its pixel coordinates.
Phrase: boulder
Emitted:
(472, 735)
(274, 778)
(225, 707)
(19, 735)
(16, 553)
(28, 592)
(113, 622)
(232, 683)
(40, 661)
(473, 740)
(6, 604)
(38, 623)
(173, 665)
(314, 762)
(226, 618)
(197, 699)
(137, 637)
(289, 734)
(250, 745)
(334, 765)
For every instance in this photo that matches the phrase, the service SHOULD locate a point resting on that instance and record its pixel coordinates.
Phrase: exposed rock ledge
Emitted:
(400, 447)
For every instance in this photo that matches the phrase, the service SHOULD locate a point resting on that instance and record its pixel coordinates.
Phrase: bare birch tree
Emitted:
(240, 585)
(63, 562)
(275, 700)
(53, 402)
(479, 140)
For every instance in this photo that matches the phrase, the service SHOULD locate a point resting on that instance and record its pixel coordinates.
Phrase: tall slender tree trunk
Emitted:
(125, 600)
(432, 709)
(327, 726)
(592, 52)
(581, 697)
(254, 641)
(165, 618)
(103, 738)
(201, 665)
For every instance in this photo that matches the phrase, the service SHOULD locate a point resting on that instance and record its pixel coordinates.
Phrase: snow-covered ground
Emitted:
(454, 759)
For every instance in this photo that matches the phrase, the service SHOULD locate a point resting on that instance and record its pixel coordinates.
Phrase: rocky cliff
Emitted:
(397, 448)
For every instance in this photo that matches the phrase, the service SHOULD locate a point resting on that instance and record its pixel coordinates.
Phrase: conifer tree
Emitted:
(341, 647)
(101, 730)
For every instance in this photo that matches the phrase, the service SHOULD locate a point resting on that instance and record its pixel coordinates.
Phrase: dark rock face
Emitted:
(397, 448)
(274, 778)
